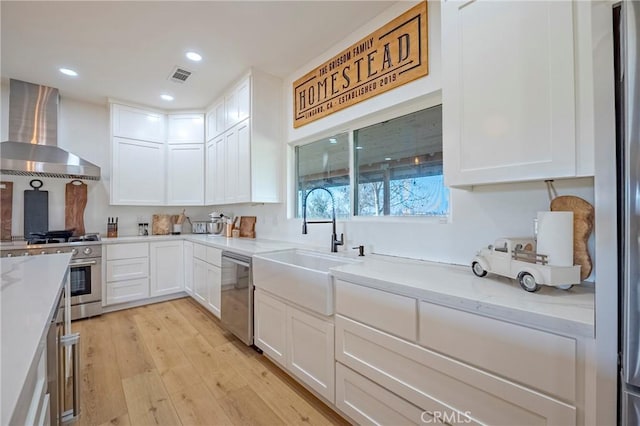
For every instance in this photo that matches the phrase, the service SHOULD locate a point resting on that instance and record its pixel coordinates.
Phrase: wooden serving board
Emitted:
(75, 201)
(248, 226)
(161, 224)
(583, 222)
(6, 205)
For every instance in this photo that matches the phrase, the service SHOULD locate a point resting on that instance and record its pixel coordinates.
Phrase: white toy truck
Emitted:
(515, 258)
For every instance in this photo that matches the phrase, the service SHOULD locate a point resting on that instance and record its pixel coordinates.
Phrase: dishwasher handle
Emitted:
(237, 258)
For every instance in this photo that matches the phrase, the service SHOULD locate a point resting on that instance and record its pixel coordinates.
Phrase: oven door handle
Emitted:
(80, 264)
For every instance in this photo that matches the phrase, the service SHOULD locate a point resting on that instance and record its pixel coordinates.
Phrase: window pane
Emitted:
(399, 167)
(325, 164)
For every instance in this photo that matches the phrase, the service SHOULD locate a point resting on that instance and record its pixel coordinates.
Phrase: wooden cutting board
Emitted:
(161, 224)
(6, 205)
(75, 201)
(248, 226)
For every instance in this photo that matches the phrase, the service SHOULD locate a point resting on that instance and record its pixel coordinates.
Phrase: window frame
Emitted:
(399, 110)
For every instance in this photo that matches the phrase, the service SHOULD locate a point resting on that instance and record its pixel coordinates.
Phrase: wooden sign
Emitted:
(390, 57)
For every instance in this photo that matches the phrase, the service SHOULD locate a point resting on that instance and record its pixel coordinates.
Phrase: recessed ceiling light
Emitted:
(387, 158)
(333, 140)
(69, 72)
(194, 56)
(167, 97)
(358, 147)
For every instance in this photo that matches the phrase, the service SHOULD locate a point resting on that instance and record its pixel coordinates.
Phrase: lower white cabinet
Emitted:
(127, 272)
(300, 342)
(187, 255)
(207, 277)
(167, 270)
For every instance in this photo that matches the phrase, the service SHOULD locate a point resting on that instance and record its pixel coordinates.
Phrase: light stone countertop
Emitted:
(570, 313)
(30, 289)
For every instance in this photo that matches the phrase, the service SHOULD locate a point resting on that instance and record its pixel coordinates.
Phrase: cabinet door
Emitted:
(219, 189)
(188, 267)
(215, 122)
(231, 163)
(185, 128)
(136, 123)
(243, 163)
(167, 269)
(127, 291)
(231, 109)
(138, 172)
(508, 91)
(243, 95)
(269, 326)
(213, 288)
(200, 291)
(311, 351)
(127, 269)
(210, 172)
(185, 175)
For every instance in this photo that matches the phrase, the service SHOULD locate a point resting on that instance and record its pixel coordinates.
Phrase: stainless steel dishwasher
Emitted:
(236, 303)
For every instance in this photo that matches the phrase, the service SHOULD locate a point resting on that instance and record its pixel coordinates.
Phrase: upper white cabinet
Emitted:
(137, 172)
(509, 104)
(248, 163)
(135, 123)
(185, 128)
(153, 164)
(216, 120)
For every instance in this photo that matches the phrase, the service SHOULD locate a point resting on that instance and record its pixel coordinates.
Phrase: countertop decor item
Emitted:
(161, 224)
(583, 223)
(6, 204)
(75, 201)
(36, 208)
(248, 226)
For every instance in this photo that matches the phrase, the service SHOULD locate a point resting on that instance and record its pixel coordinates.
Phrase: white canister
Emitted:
(555, 237)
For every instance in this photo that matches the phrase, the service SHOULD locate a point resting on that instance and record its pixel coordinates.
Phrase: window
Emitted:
(398, 167)
(397, 170)
(324, 163)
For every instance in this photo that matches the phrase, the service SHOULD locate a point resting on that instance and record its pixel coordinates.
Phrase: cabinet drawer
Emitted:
(200, 252)
(367, 403)
(389, 312)
(437, 383)
(534, 358)
(127, 269)
(214, 256)
(127, 251)
(127, 291)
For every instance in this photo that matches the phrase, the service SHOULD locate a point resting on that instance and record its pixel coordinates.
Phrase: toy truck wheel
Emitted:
(565, 287)
(478, 269)
(527, 282)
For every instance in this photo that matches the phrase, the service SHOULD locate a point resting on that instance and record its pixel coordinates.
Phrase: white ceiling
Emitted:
(127, 50)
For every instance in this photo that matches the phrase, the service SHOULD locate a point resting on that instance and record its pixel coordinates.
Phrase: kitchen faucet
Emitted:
(335, 242)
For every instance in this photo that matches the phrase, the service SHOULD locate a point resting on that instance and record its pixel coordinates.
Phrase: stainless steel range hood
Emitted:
(32, 148)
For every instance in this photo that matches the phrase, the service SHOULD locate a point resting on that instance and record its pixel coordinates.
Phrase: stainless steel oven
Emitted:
(236, 303)
(86, 282)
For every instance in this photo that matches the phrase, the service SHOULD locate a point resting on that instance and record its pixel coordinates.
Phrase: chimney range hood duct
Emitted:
(33, 137)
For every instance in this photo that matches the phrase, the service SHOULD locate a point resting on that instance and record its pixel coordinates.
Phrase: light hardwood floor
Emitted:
(172, 364)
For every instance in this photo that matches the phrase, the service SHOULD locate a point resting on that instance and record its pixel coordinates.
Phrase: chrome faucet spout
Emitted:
(334, 237)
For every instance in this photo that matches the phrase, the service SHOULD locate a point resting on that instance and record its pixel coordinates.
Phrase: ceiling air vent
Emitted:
(179, 75)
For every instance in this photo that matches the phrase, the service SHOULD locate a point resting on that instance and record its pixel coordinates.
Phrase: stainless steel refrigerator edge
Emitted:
(627, 29)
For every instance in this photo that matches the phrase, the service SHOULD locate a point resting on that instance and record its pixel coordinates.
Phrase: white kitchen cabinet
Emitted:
(138, 172)
(185, 174)
(311, 351)
(187, 256)
(207, 277)
(250, 162)
(509, 104)
(136, 123)
(216, 120)
(301, 342)
(167, 268)
(127, 272)
(185, 128)
(210, 172)
(200, 291)
(270, 332)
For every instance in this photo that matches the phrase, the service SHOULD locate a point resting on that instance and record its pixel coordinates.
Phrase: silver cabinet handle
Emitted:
(73, 341)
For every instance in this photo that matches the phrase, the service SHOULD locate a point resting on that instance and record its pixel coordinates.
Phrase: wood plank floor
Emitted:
(172, 364)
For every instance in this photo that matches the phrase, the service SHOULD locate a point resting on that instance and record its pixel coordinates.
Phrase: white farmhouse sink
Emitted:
(300, 276)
